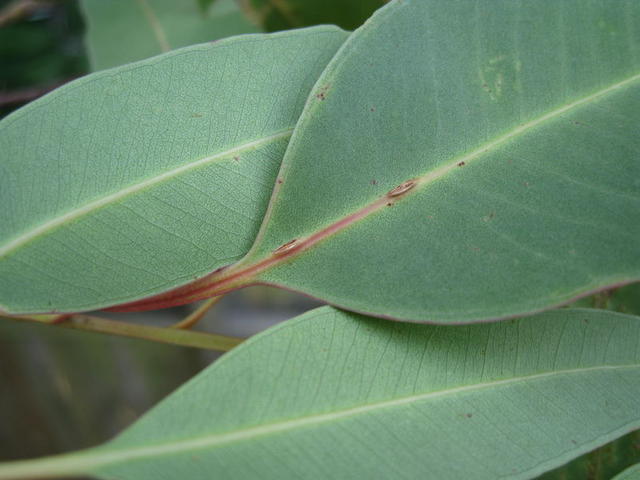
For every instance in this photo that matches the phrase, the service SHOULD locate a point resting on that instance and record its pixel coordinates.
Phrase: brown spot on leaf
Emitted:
(279, 181)
(373, 109)
(374, 181)
(236, 158)
(469, 415)
(461, 164)
(402, 188)
(322, 94)
(286, 247)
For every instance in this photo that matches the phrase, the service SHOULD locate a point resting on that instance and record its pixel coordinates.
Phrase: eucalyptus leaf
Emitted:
(631, 473)
(132, 181)
(123, 31)
(458, 163)
(335, 395)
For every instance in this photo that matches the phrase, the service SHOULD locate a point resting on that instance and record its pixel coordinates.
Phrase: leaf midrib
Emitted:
(431, 176)
(245, 271)
(73, 215)
(213, 440)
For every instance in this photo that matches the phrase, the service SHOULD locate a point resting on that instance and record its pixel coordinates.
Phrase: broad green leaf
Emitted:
(285, 14)
(334, 395)
(631, 473)
(123, 31)
(517, 126)
(135, 180)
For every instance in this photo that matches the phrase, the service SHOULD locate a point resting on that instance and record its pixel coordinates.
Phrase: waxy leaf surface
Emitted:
(517, 127)
(336, 395)
(135, 180)
(123, 31)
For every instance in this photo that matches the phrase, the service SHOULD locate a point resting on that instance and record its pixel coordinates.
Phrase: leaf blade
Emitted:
(512, 396)
(163, 180)
(524, 154)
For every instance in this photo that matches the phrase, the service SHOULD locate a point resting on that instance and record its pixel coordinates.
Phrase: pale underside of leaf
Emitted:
(138, 179)
(417, 398)
(525, 188)
(114, 197)
(247, 271)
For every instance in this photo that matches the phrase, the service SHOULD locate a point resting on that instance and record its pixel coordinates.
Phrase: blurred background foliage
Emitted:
(63, 390)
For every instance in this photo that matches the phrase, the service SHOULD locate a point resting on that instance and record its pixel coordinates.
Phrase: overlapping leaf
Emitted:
(122, 31)
(513, 131)
(132, 181)
(335, 395)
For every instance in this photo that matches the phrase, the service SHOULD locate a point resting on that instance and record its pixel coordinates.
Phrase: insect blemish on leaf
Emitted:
(286, 247)
(402, 188)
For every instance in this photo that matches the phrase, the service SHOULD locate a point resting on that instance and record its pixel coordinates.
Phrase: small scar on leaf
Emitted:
(236, 158)
(402, 188)
(196, 115)
(461, 164)
(322, 94)
(279, 181)
(286, 247)
(469, 415)
(373, 109)
(374, 182)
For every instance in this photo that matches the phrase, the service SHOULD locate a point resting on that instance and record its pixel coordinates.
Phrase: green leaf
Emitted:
(285, 14)
(132, 181)
(123, 31)
(335, 395)
(631, 473)
(516, 125)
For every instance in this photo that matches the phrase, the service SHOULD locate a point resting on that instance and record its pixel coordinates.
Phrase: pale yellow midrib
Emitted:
(92, 462)
(439, 172)
(72, 215)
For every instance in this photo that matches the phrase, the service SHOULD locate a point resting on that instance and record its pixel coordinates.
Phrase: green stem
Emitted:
(185, 338)
(67, 466)
(197, 315)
